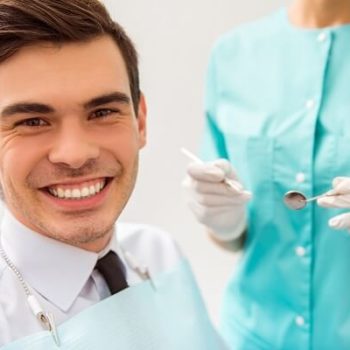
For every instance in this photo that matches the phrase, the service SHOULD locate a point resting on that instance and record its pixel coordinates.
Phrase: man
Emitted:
(277, 110)
(72, 121)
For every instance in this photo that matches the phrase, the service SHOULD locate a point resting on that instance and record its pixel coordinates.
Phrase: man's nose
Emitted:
(73, 147)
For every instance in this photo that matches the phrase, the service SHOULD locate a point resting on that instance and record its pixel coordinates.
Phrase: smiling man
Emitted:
(70, 136)
(72, 122)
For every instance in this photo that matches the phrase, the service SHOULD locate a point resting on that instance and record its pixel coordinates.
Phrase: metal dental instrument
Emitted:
(296, 200)
(227, 181)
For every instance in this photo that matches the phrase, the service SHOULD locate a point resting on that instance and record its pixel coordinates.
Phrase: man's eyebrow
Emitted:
(40, 108)
(108, 98)
(26, 108)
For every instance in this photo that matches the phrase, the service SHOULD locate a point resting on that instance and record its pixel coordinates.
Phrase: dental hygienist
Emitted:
(278, 111)
(72, 123)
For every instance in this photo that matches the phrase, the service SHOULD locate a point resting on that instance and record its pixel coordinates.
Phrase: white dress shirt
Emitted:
(62, 277)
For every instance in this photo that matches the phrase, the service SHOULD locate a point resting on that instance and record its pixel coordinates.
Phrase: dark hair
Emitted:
(26, 22)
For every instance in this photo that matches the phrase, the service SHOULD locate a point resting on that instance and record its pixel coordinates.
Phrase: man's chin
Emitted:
(80, 228)
(82, 237)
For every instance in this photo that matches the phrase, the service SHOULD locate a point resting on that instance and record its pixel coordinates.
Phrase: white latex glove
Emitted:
(341, 186)
(219, 207)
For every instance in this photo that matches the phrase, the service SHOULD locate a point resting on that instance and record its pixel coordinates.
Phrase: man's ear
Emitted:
(141, 121)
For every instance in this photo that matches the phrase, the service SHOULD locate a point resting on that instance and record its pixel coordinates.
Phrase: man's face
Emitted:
(69, 139)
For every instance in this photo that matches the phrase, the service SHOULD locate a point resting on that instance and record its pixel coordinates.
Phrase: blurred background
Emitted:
(174, 39)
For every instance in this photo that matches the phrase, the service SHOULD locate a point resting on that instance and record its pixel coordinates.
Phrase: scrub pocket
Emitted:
(252, 157)
(240, 338)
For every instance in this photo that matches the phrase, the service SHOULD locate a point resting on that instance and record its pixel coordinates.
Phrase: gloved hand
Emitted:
(341, 186)
(215, 204)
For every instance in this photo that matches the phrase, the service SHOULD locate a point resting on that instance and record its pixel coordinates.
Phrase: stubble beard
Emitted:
(86, 229)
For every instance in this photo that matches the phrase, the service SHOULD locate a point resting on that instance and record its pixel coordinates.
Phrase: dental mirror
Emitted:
(296, 200)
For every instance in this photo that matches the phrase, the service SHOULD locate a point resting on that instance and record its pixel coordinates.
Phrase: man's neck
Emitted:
(319, 13)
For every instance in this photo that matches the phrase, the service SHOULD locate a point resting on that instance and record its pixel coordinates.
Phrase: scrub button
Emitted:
(300, 177)
(300, 321)
(300, 251)
(310, 104)
(322, 37)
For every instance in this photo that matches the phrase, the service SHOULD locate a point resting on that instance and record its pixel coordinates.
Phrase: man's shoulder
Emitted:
(152, 245)
(141, 236)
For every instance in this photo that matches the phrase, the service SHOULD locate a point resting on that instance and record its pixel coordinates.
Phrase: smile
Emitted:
(78, 191)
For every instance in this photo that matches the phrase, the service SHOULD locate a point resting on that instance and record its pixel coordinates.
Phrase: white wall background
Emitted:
(174, 39)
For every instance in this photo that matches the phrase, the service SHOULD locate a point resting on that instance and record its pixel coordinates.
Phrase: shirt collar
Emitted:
(56, 270)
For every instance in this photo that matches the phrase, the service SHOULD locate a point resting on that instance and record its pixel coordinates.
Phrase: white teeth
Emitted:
(85, 192)
(92, 190)
(60, 193)
(77, 193)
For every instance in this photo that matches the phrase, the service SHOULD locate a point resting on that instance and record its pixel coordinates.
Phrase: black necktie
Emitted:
(111, 268)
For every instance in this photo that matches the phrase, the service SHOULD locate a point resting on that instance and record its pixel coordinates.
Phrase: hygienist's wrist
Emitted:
(230, 234)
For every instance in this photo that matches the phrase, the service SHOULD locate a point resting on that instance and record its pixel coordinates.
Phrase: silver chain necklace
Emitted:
(46, 319)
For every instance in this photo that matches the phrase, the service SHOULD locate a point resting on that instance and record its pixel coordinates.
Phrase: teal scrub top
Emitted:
(278, 107)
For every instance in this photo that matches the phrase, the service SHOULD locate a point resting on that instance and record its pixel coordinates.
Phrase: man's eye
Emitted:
(101, 113)
(32, 122)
